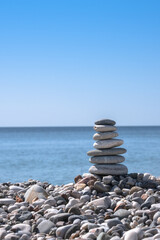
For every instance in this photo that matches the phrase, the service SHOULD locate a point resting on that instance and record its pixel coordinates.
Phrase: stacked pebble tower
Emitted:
(106, 156)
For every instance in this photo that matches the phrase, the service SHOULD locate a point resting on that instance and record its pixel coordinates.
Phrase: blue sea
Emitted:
(58, 154)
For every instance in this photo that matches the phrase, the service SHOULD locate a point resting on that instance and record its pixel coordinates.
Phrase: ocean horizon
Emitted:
(41, 126)
(57, 154)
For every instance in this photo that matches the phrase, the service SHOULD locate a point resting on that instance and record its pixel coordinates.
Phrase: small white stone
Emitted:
(35, 192)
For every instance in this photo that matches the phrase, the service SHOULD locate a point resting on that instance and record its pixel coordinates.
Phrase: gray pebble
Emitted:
(45, 226)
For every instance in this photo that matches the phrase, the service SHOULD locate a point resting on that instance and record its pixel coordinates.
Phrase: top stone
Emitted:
(104, 128)
(105, 122)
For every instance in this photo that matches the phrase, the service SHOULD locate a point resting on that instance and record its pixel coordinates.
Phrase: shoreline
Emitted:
(113, 207)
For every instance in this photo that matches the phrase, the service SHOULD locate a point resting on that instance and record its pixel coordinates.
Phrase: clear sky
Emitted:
(71, 62)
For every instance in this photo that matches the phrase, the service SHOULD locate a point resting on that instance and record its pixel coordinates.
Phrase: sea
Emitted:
(58, 154)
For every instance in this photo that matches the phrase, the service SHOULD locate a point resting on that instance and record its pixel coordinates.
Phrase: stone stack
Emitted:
(106, 156)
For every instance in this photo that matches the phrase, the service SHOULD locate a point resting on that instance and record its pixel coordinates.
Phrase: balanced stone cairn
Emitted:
(106, 156)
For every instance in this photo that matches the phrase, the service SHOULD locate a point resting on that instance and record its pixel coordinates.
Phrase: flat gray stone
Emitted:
(100, 187)
(112, 222)
(107, 179)
(134, 234)
(25, 215)
(108, 143)
(104, 128)
(104, 202)
(21, 229)
(106, 152)
(105, 122)
(107, 159)
(109, 169)
(16, 188)
(122, 213)
(45, 226)
(104, 135)
(60, 217)
(7, 201)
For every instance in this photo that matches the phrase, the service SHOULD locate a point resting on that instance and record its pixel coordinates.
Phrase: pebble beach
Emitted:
(106, 203)
(80, 122)
(91, 207)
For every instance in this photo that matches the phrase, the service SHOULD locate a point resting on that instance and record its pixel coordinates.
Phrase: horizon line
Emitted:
(76, 126)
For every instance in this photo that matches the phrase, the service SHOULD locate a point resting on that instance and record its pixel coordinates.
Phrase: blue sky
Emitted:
(69, 63)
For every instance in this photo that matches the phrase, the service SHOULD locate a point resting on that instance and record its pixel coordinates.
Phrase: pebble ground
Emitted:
(111, 207)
